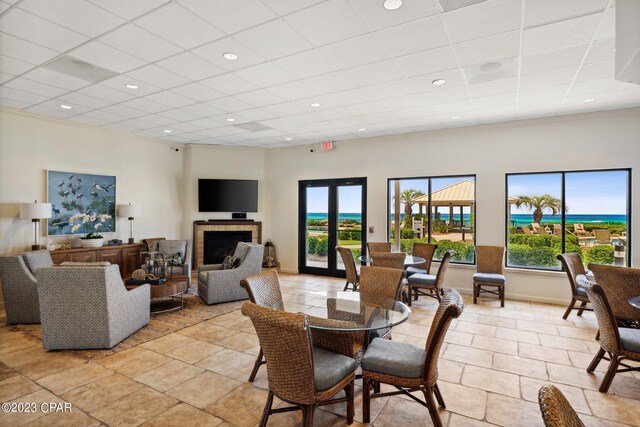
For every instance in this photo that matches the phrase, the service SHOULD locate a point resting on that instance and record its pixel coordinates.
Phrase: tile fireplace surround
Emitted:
(199, 228)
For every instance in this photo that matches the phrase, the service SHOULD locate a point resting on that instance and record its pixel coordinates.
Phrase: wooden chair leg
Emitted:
(568, 310)
(346, 286)
(307, 414)
(596, 360)
(256, 366)
(436, 391)
(433, 409)
(350, 402)
(366, 400)
(611, 372)
(410, 290)
(475, 293)
(376, 386)
(502, 296)
(598, 335)
(267, 410)
(582, 307)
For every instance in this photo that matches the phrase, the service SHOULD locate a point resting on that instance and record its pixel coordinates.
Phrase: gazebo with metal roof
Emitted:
(460, 194)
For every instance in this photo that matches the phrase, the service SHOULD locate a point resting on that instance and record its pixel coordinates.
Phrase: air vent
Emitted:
(447, 5)
(252, 126)
(79, 69)
(488, 71)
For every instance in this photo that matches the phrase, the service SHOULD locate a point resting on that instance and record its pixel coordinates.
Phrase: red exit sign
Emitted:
(326, 145)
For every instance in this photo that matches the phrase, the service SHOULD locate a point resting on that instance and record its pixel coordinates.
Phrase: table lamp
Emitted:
(130, 211)
(35, 211)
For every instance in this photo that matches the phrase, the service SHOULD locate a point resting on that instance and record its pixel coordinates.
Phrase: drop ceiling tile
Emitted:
(140, 43)
(596, 71)
(446, 95)
(104, 116)
(488, 49)
(23, 50)
(209, 127)
(265, 75)
(54, 104)
(179, 115)
(202, 110)
(198, 92)
(37, 30)
(607, 27)
(430, 61)
(77, 15)
(138, 124)
(88, 120)
(170, 99)
(273, 39)
(391, 89)
(483, 19)
(20, 95)
(259, 98)
(53, 78)
(284, 109)
(230, 17)
(352, 96)
(377, 17)
(128, 9)
(13, 66)
(230, 104)
(304, 118)
(186, 127)
(34, 87)
(4, 77)
(560, 76)
(327, 22)
(119, 83)
(121, 127)
(542, 97)
(506, 100)
(106, 93)
(4, 6)
(452, 108)
(157, 120)
(213, 52)
(416, 36)
(51, 112)
(545, 11)
(371, 74)
(332, 82)
(335, 115)
(158, 77)
(100, 54)
(551, 60)
(285, 7)
(190, 66)
(146, 105)
(293, 90)
(356, 51)
(494, 70)
(76, 98)
(453, 78)
(594, 88)
(601, 50)
(257, 114)
(573, 32)
(124, 111)
(229, 84)
(179, 26)
(306, 64)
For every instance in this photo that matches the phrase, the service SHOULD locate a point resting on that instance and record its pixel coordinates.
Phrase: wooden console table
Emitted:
(127, 257)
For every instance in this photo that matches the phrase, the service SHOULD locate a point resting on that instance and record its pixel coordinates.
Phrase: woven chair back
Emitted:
(556, 409)
(388, 259)
(378, 247)
(619, 284)
(609, 336)
(572, 264)
(349, 263)
(444, 265)
(490, 259)
(426, 251)
(264, 289)
(286, 344)
(450, 308)
(380, 285)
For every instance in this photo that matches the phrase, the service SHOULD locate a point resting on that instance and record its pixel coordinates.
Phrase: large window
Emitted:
(586, 212)
(439, 210)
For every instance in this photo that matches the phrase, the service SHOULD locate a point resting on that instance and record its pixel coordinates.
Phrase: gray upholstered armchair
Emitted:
(19, 286)
(171, 247)
(88, 307)
(216, 285)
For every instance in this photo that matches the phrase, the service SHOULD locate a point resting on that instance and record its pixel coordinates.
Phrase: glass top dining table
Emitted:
(349, 311)
(408, 260)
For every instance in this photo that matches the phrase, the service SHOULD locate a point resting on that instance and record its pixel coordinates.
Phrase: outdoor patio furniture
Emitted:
(409, 367)
(572, 264)
(490, 273)
(555, 408)
(618, 343)
(419, 283)
(557, 230)
(353, 278)
(300, 371)
(578, 230)
(378, 247)
(602, 236)
(418, 227)
(525, 229)
(538, 229)
(620, 284)
(423, 250)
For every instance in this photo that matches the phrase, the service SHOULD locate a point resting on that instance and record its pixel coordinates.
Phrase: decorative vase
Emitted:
(91, 243)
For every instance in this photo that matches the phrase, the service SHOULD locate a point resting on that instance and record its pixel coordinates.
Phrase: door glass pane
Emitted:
(317, 227)
(535, 206)
(349, 220)
(407, 200)
(596, 216)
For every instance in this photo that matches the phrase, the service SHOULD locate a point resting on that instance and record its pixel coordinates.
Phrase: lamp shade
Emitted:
(35, 210)
(129, 211)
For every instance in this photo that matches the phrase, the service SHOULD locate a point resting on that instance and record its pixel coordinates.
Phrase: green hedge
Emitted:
(405, 233)
(464, 251)
(354, 234)
(318, 245)
(600, 254)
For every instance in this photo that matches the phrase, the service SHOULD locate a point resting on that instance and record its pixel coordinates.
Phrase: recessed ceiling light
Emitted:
(438, 82)
(392, 4)
(315, 104)
(230, 119)
(167, 131)
(66, 107)
(230, 56)
(588, 100)
(361, 129)
(130, 86)
(287, 139)
(455, 117)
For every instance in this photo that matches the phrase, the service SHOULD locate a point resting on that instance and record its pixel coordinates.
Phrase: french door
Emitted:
(332, 212)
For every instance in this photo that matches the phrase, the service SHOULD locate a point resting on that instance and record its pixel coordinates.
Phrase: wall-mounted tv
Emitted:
(227, 195)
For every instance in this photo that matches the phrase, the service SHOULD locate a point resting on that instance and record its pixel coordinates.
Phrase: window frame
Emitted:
(563, 174)
(429, 206)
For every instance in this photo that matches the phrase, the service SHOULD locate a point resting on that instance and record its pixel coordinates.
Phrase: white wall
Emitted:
(589, 141)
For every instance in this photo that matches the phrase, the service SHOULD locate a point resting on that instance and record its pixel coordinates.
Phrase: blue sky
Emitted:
(349, 199)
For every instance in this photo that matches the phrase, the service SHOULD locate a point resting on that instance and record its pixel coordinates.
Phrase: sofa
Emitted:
(216, 285)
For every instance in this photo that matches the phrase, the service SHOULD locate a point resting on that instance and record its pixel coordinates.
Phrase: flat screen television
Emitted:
(227, 195)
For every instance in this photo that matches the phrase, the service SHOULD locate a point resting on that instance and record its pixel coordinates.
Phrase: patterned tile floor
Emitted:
(492, 365)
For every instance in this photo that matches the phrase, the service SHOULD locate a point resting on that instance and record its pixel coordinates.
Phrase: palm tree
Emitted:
(409, 197)
(538, 203)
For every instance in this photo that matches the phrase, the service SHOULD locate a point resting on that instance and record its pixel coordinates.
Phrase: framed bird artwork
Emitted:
(81, 203)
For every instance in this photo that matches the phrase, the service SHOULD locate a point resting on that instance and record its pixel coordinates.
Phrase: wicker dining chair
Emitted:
(555, 408)
(409, 367)
(264, 290)
(388, 259)
(572, 264)
(428, 284)
(620, 284)
(618, 343)
(378, 247)
(300, 373)
(490, 273)
(382, 287)
(423, 250)
(353, 278)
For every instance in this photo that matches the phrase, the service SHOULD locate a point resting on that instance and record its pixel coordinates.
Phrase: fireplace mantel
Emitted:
(199, 227)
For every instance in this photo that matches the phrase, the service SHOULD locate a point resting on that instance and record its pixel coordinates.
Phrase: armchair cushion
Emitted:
(38, 259)
(415, 270)
(395, 358)
(329, 368)
(498, 279)
(630, 339)
(422, 279)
